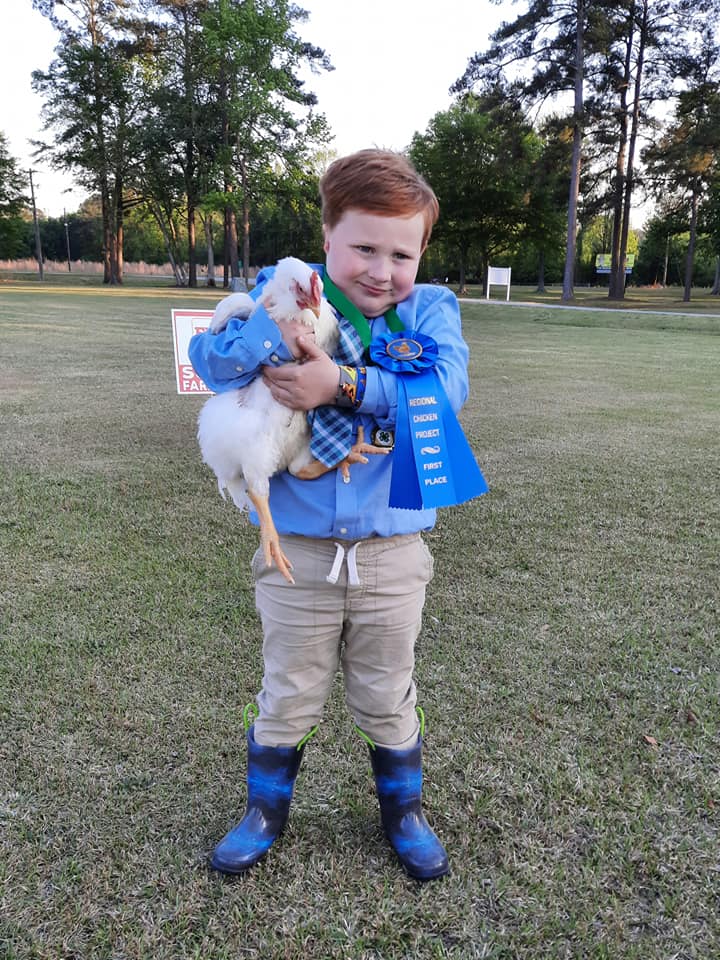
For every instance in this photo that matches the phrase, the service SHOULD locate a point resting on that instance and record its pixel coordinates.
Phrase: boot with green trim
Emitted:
(398, 780)
(271, 777)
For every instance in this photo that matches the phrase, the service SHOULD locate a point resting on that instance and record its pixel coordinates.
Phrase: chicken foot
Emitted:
(356, 454)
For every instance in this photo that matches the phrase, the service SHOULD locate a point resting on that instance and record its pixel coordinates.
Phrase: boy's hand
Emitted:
(293, 332)
(303, 386)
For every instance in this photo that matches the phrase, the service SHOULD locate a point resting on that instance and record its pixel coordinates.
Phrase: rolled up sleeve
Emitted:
(233, 357)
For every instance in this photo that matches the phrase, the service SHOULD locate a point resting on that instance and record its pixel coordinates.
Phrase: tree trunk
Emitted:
(616, 285)
(690, 259)
(245, 224)
(192, 246)
(232, 244)
(665, 265)
(226, 247)
(569, 275)
(207, 223)
(119, 230)
(120, 253)
(177, 268)
(715, 292)
(462, 286)
(541, 272)
(246, 242)
(630, 178)
(189, 166)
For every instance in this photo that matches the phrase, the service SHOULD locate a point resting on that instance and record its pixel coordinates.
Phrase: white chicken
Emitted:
(245, 435)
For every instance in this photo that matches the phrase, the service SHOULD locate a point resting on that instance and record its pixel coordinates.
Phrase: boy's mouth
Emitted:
(375, 291)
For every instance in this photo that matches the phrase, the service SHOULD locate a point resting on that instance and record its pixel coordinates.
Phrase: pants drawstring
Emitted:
(353, 578)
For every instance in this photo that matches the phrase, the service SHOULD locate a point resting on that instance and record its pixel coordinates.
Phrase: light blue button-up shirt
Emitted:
(328, 507)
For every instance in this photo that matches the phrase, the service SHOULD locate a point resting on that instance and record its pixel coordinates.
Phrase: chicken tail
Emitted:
(237, 490)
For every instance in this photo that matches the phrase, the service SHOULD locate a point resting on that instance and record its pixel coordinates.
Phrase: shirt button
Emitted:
(274, 357)
(343, 529)
(239, 369)
(267, 344)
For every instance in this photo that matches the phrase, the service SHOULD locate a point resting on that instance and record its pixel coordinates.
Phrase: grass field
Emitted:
(568, 664)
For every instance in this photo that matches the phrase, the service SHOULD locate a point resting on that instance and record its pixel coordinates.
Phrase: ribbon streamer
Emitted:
(433, 464)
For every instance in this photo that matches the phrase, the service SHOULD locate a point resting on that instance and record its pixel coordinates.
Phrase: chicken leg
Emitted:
(269, 538)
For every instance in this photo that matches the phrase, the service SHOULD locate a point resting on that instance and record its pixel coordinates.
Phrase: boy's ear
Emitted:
(325, 237)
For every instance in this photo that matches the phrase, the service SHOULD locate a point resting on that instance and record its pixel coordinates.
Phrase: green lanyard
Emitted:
(353, 315)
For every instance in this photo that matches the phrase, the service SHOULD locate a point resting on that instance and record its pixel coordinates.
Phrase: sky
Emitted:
(394, 63)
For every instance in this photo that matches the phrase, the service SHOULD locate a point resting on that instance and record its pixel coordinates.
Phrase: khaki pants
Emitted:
(366, 622)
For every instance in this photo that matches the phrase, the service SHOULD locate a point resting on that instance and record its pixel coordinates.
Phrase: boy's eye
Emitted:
(364, 249)
(401, 256)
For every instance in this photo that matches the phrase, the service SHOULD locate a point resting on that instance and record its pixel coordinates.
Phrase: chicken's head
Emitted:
(309, 299)
(293, 288)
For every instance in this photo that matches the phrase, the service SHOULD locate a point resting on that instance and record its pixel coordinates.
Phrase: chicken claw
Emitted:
(269, 538)
(273, 553)
(356, 454)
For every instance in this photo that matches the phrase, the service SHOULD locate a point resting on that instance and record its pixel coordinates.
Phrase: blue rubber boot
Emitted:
(271, 777)
(398, 778)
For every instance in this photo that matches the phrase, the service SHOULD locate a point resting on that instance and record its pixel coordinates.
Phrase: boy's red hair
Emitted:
(379, 182)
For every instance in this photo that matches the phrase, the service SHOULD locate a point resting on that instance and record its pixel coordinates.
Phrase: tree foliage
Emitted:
(478, 156)
(183, 105)
(616, 60)
(189, 122)
(89, 101)
(13, 202)
(684, 163)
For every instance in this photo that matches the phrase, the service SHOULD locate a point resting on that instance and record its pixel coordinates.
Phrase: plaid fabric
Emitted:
(331, 427)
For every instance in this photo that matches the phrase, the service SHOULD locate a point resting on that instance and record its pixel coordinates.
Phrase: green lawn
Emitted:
(568, 664)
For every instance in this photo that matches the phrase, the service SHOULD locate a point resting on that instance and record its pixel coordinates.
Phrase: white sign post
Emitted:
(185, 324)
(498, 276)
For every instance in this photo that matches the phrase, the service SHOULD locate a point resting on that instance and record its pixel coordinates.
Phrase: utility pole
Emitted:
(38, 247)
(67, 240)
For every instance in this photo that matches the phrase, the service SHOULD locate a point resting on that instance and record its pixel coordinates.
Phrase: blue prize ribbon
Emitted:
(433, 464)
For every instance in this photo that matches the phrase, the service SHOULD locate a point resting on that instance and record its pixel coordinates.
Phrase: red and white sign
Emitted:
(185, 324)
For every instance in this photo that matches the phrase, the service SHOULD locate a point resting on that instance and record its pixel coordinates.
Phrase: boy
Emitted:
(360, 568)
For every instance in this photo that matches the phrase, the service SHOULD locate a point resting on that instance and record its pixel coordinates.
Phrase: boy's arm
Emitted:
(233, 357)
(433, 311)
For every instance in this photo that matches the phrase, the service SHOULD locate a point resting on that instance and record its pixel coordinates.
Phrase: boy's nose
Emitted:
(379, 268)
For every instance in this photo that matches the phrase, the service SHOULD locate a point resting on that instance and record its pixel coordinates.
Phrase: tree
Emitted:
(266, 117)
(710, 215)
(638, 68)
(229, 115)
(289, 219)
(544, 220)
(553, 37)
(477, 157)
(173, 148)
(89, 92)
(684, 163)
(13, 205)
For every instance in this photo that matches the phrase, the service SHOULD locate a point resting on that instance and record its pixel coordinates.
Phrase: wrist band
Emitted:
(351, 387)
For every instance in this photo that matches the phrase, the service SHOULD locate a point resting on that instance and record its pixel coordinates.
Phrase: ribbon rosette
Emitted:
(433, 465)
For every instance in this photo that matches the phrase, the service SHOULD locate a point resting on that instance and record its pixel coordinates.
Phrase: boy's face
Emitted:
(374, 260)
